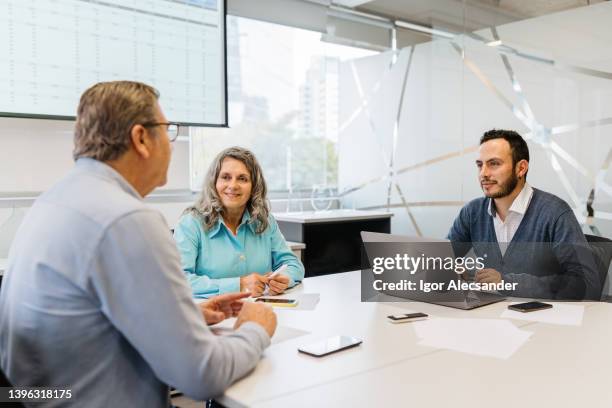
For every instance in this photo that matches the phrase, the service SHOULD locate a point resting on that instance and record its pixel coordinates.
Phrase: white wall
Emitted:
(36, 153)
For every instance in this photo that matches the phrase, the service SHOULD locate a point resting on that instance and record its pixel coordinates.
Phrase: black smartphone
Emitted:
(406, 317)
(530, 306)
(278, 302)
(329, 346)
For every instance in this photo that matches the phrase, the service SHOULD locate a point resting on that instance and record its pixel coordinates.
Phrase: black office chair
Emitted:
(602, 248)
(4, 382)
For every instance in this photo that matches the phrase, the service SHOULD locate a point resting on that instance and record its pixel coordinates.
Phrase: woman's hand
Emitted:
(254, 283)
(219, 308)
(277, 283)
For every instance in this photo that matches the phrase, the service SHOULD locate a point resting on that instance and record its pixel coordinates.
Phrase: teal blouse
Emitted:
(214, 260)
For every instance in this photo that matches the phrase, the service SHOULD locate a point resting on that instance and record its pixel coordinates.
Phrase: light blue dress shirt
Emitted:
(94, 300)
(214, 260)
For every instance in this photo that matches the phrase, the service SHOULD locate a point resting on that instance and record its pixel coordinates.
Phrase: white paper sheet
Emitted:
(281, 334)
(284, 333)
(561, 313)
(485, 337)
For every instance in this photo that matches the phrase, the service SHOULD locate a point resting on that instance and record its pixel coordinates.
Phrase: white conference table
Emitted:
(559, 366)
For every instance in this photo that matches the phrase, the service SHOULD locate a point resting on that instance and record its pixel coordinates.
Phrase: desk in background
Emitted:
(3, 263)
(332, 239)
(297, 248)
(559, 366)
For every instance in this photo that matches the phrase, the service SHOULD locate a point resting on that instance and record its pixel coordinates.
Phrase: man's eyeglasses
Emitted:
(171, 127)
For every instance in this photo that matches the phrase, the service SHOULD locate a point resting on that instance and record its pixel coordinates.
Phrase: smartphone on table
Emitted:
(329, 346)
(406, 317)
(530, 306)
(278, 302)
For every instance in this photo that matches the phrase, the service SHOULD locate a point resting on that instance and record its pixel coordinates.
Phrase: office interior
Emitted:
(314, 88)
(379, 106)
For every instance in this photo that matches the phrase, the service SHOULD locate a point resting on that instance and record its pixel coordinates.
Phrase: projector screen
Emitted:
(53, 50)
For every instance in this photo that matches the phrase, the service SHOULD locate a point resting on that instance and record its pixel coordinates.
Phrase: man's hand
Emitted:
(277, 283)
(488, 275)
(257, 313)
(254, 283)
(219, 308)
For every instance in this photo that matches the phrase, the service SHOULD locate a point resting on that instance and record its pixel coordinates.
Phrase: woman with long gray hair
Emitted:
(228, 240)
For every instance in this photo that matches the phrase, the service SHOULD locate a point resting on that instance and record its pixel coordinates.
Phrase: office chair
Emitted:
(4, 382)
(602, 248)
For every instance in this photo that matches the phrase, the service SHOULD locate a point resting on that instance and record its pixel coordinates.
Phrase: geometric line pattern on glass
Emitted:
(396, 130)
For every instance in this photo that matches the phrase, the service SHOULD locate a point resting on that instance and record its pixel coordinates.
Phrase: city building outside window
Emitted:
(283, 101)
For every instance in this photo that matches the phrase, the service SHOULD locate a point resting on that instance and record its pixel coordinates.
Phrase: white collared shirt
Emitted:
(505, 230)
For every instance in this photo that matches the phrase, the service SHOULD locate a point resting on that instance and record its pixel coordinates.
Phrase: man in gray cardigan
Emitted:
(94, 303)
(526, 236)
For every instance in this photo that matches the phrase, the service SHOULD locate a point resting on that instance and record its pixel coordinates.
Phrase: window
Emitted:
(283, 104)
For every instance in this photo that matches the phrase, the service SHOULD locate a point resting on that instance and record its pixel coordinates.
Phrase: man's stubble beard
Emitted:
(506, 188)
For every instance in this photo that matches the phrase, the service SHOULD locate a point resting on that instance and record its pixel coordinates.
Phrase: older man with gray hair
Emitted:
(93, 300)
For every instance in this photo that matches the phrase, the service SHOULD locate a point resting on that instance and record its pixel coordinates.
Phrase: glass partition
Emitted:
(411, 119)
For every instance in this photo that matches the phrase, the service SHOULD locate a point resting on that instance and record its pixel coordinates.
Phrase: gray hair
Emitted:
(208, 208)
(106, 114)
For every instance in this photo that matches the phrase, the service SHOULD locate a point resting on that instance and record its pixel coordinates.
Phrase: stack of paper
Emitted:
(485, 337)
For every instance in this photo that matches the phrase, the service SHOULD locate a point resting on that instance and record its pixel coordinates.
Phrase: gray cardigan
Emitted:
(548, 256)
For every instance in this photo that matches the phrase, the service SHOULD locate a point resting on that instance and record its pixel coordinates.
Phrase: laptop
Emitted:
(460, 299)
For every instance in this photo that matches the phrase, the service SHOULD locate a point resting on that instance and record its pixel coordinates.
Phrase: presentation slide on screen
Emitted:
(52, 50)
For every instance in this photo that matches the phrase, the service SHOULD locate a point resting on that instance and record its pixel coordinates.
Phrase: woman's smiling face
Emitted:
(234, 184)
